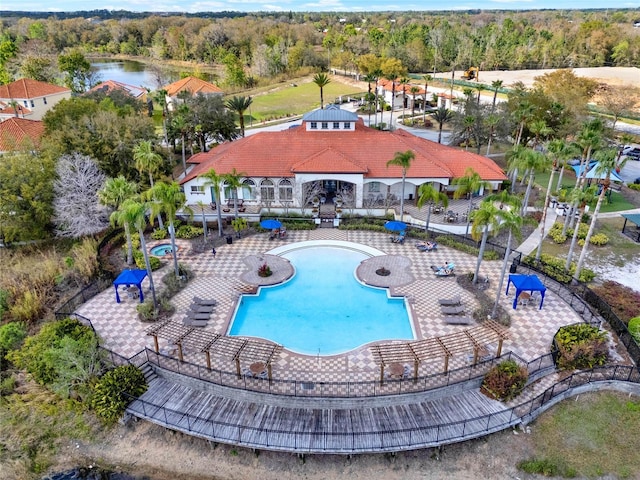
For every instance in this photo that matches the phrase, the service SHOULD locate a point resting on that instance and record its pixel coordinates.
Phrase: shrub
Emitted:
(599, 239)
(188, 231)
(112, 392)
(580, 346)
(624, 301)
(264, 270)
(146, 312)
(505, 381)
(554, 267)
(11, 335)
(159, 234)
(4, 302)
(175, 284)
(138, 257)
(463, 247)
(634, 328)
(634, 186)
(85, 259)
(547, 467)
(28, 306)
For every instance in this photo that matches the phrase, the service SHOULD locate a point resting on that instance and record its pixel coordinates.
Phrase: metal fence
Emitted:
(419, 436)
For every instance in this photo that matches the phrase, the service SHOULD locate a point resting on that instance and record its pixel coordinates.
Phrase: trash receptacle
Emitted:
(514, 267)
(229, 239)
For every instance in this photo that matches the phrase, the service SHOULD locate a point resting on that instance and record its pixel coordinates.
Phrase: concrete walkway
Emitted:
(532, 242)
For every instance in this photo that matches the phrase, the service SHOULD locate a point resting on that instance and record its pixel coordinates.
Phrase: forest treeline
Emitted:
(261, 45)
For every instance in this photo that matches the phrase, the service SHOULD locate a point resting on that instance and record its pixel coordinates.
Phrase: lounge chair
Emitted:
(204, 301)
(444, 271)
(426, 246)
(190, 322)
(196, 308)
(198, 316)
(452, 310)
(450, 302)
(457, 320)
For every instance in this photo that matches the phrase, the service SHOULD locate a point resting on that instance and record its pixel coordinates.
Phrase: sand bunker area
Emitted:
(610, 75)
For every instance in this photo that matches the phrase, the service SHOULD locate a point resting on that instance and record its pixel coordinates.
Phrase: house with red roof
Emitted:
(139, 93)
(331, 155)
(20, 134)
(30, 99)
(193, 85)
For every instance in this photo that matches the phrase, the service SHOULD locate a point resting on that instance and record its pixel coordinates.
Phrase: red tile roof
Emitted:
(365, 150)
(28, 88)
(7, 109)
(17, 132)
(193, 85)
(110, 85)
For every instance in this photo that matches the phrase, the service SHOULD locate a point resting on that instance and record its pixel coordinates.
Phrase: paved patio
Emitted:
(221, 278)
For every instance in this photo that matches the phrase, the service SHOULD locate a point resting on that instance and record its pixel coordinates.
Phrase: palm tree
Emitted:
(201, 205)
(370, 77)
(427, 79)
(428, 194)
(133, 212)
(496, 85)
(180, 123)
(404, 81)
(523, 113)
(114, 193)
(321, 80)
(414, 91)
(160, 96)
(168, 198)
(479, 87)
(403, 160)
(530, 162)
(232, 181)
(377, 73)
(491, 121)
(547, 197)
(511, 221)
(580, 198)
(442, 115)
(240, 105)
(484, 220)
(392, 78)
(515, 157)
(607, 163)
(468, 122)
(561, 152)
(469, 184)
(147, 160)
(214, 180)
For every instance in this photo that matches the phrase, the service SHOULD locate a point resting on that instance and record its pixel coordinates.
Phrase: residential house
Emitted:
(192, 85)
(331, 155)
(20, 134)
(30, 99)
(139, 93)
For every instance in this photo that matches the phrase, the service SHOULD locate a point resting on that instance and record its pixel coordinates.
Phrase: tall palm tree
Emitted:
(403, 160)
(479, 87)
(180, 123)
(147, 160)
(468, 184)
(133, 212)
(468, 122)
(496, 85)
(239, 105)
(168, 198)
(377, 73)
(392, 78)
(232, 180)
(530, 162)
(214, 181)
(414, 91)
(492, 122)
(552, 161)
(483, 221)
(160, 97)
(321, 80)
(580, 198)
(369, 78)
(607, 163)
(524, 114)
(201, 205)
(427, 79)
(430, 195)
(442, 115)
(404, 81)
(561, 152)
(113, 194)
(511, 221)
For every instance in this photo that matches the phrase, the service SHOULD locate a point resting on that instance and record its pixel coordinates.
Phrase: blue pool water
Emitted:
(160, 250)
(323, 310)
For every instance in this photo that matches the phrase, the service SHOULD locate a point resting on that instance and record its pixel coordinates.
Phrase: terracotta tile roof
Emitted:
(193, 85)
(110, 85)
(28, 88)
(7, 109)
(16, 132)
(365, 150)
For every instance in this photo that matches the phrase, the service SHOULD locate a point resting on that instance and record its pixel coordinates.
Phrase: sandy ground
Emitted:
(147, 450)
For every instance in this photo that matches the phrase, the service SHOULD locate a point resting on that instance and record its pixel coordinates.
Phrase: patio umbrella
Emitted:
(270, 224)
(395, 226)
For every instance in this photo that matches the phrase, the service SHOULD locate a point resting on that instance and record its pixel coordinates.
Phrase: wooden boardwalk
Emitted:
(303, 425)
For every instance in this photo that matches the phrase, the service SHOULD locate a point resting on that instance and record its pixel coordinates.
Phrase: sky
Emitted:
(194, 6)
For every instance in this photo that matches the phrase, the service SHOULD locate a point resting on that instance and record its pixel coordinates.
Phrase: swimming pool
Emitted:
(162, 249)
(323, 309)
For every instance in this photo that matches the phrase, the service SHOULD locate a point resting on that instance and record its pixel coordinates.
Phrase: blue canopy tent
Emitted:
(130, 278)
(523, 283)
(591, 173)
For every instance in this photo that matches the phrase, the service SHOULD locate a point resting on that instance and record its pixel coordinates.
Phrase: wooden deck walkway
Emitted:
(304, 425)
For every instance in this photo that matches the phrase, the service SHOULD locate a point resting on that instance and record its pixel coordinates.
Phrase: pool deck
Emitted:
(224, 278)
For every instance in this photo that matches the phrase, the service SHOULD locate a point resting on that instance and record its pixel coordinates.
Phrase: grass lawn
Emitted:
(289, 100)
(591, 435)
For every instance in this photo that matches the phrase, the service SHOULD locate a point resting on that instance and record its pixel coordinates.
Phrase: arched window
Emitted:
(249, 189)
(267, 192)
(285, 191)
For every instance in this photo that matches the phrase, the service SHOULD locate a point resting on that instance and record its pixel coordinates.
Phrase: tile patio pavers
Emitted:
(220, 278)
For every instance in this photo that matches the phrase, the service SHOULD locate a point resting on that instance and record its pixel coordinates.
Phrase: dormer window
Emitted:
(336, 125)
(347, 125)
(314, 125)
(325, 125)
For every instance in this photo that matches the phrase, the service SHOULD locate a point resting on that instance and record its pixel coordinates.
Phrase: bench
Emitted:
(458, 320)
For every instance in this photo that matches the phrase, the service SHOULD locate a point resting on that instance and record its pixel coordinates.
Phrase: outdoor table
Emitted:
(396, 370)
(256, 368)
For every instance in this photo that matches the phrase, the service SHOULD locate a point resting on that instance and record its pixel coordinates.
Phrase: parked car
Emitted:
(632, 152)
(637, 181)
